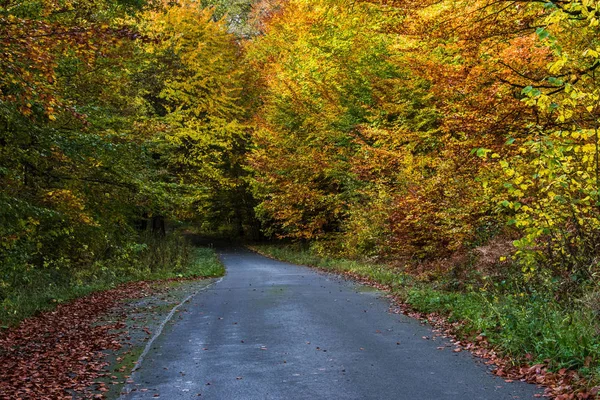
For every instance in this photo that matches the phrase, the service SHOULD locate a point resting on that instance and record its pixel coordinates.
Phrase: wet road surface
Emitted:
(272, 330)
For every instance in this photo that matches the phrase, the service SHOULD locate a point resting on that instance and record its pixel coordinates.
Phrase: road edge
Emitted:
(128, 388)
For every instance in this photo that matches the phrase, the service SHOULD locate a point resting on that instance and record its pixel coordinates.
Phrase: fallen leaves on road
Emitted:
(59, 353)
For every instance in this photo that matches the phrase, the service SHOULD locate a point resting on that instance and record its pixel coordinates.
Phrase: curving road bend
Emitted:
(272, 330)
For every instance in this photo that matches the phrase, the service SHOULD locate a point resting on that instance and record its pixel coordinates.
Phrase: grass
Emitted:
(204, 264)
(523, 325)
(158, 259)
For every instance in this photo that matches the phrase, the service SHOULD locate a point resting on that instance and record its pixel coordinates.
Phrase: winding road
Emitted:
(273, 330)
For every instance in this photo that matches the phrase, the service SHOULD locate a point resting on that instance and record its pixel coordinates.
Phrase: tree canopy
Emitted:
(115, 115)
(400, 129)
(448, 138)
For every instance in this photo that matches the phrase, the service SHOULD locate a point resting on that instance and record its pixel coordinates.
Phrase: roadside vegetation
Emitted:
(455, 146)
(118, 119)
(86, 347)
(456, 141)
(155, 259)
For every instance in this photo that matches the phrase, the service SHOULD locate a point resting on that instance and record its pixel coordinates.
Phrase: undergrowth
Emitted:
(526, 325)
(151, 259)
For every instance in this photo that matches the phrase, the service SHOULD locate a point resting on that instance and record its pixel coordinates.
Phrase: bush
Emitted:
(149, 258)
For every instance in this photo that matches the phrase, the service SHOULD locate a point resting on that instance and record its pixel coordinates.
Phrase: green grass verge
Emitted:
(522, 325)
(179, 260)
(205, 264)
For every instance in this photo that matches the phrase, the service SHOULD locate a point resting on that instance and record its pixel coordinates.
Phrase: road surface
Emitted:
(272, 330)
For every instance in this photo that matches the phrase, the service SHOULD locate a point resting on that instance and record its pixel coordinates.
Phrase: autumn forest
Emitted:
(455, 142)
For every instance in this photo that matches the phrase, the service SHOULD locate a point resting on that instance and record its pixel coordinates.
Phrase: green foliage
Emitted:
(305, 256)
(236, 13)
(357, 128)
(520, 324)
(151, 259)
(111, 122)
(204, 141)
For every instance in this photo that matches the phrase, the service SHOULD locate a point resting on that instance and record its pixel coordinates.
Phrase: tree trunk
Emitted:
(158, 225)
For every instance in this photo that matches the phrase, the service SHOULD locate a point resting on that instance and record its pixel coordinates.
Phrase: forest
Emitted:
(456, 142)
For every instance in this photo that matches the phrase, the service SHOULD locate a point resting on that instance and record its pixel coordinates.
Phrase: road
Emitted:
(272, 330)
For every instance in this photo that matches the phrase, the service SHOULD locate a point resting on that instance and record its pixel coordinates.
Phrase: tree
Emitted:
(319, 62)
(196, 64)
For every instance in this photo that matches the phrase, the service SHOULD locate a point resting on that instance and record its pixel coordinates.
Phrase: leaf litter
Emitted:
(83, 349)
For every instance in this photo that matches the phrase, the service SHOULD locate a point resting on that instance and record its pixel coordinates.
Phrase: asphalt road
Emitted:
(272, 330)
